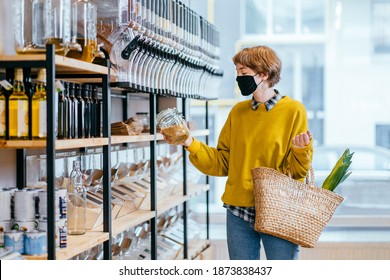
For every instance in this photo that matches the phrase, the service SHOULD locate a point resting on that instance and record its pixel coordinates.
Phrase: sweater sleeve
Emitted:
(212, 161)
(300, 157)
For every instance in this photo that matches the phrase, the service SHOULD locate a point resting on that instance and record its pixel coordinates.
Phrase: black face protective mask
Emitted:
(247, 84)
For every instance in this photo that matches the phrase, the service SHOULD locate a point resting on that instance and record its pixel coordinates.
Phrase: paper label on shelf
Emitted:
(59, 86)
(6, 85)
(2, 117)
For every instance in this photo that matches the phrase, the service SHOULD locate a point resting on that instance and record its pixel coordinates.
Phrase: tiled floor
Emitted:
(334, 243)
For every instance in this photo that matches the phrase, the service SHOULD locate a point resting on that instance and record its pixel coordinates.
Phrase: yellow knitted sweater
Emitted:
(250, 139)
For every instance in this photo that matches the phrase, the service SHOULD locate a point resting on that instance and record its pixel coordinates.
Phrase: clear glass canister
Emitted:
(172, 125)
(77, 202)
(40, 22)
(84, 30)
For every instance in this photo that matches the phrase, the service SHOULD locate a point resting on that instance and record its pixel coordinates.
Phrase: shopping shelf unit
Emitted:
(59, 67)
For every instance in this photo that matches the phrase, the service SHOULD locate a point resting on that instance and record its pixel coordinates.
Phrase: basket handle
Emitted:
(309, 177)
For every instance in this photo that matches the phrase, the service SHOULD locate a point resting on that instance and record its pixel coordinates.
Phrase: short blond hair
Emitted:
(261, 59)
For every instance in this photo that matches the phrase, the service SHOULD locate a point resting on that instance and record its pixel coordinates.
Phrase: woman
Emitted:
(269, 130)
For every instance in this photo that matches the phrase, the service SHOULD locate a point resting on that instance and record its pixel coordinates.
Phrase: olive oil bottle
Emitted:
(39, 103)
(18, 109)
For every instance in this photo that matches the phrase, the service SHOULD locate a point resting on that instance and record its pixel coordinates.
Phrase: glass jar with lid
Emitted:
(172, 125)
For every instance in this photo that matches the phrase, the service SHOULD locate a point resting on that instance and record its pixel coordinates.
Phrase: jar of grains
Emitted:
(172, 125)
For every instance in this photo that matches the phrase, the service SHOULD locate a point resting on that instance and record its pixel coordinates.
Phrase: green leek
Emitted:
(339, 172)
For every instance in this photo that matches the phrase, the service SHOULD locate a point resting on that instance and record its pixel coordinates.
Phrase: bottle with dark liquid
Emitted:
(67, 119)
(74, 113)
(99, 112)
(80, 111)
(62, 104)
(93, 92)
(87, 111)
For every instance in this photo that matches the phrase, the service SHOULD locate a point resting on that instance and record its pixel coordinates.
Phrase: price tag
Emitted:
(6, 85)
(59, 86)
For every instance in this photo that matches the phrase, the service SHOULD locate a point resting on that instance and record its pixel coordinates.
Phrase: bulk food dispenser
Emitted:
(40, 22)
(84, 31)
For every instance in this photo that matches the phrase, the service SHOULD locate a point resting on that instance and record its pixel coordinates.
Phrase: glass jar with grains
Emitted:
(172, 125)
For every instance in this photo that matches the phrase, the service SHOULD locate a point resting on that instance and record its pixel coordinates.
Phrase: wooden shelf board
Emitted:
(81, 243)
(159, 136)
(169, 202)
(128, 221)
(80, 143)
(76, 245)
(119, 139)
(35, 258)
(195, 247)
(60, 144)
(22, 144)
(64, 65)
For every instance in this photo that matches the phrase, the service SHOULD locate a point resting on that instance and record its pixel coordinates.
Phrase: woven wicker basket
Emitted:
(289, 209)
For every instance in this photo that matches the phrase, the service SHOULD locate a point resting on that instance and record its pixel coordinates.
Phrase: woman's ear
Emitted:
(264, 76)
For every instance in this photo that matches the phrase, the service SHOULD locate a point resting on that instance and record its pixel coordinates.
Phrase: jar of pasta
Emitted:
(172, 126)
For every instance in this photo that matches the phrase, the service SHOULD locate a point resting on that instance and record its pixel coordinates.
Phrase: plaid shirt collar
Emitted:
(268, 104)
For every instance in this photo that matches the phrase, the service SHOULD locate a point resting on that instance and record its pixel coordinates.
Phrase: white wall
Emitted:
(7, 168)
(357, 88)
(6, 35)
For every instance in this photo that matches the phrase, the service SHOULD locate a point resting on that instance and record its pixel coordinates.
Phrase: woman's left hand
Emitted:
(302, 139)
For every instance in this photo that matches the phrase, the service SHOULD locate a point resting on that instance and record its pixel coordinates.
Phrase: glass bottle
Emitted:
(87, 112)
(80, 111)
(39, 107)
(99, 113)
(90, 108)
(93, 97)
(18, 109)
(172, 125)
(73, 111)
(77, 200)
(67, 111)
(97, 108)
(62, 104)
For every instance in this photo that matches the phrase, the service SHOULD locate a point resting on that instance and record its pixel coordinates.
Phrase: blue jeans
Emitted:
(244, 242)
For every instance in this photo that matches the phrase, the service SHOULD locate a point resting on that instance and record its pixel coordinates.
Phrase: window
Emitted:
(284, 17)
(326, 48)
(380, 17)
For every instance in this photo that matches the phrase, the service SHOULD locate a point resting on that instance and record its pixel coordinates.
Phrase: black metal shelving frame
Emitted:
(129, 89)
(126, 91)
(51, 75)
